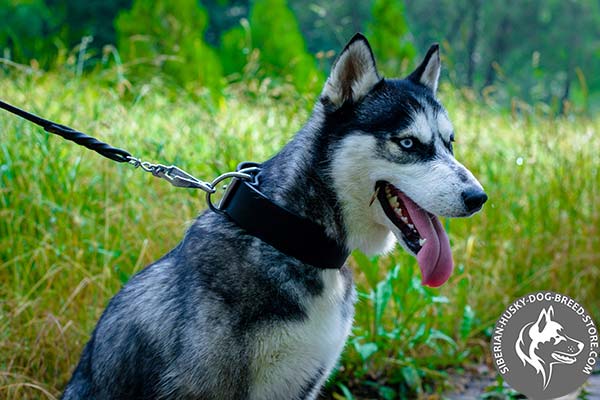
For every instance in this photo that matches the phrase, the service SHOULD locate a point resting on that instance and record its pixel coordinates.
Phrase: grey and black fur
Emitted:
(226, 316)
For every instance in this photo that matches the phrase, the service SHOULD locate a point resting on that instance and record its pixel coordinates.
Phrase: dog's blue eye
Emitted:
(407, 143)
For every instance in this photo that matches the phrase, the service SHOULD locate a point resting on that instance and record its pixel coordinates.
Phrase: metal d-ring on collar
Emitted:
(245, 171)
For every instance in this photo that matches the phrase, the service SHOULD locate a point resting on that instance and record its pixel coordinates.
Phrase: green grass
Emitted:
(75, 226)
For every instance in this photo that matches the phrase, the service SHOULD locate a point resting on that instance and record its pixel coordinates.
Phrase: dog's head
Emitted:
(393, 164)
(548, 340)
(544, 343)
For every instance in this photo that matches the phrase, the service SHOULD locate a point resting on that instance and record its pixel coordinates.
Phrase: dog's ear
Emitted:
(544, 318)
(428, 72)
(353, 74)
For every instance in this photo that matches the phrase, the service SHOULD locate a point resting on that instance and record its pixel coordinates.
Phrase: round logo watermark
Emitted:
(545, 345)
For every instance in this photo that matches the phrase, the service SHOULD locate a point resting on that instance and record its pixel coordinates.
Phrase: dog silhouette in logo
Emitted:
(544, 343)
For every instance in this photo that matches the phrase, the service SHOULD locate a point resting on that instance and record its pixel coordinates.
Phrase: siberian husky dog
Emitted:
(225, 315)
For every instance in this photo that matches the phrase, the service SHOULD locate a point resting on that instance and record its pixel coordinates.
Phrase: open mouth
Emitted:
(420, 231)
(563, 358)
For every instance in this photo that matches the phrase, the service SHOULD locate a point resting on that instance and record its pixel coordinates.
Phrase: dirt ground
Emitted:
(471, 386)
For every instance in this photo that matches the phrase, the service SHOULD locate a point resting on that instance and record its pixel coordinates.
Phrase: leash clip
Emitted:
(172, 174)
(179, 178)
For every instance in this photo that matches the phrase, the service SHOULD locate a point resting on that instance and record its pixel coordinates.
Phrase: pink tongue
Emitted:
(435, 257)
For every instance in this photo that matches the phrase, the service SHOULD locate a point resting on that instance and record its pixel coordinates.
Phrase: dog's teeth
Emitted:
(404, 219)
(422, 242)
(373, 197)
(411, 226)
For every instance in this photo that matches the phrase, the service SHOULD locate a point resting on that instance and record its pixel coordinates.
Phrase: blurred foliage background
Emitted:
(537, 51)
(205, 84)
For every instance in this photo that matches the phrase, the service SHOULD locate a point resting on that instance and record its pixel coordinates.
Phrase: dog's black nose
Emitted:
(474, 199)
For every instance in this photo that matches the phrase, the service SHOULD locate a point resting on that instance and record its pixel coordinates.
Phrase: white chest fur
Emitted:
(290, 354)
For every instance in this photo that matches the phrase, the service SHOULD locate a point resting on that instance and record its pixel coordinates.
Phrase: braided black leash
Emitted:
(104, 149)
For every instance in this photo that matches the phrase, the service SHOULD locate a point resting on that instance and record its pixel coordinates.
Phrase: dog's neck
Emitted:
(299, 179)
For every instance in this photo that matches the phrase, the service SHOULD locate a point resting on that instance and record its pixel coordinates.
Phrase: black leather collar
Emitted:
(289, 233)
